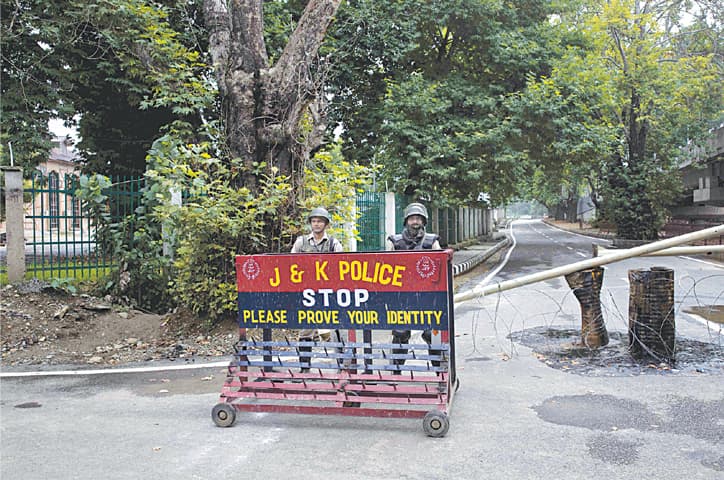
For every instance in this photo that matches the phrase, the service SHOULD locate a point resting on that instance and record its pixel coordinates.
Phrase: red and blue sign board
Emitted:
(400, 290)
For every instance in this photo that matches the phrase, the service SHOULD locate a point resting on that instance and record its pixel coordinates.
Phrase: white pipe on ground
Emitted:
(599, 251)
(590, 263)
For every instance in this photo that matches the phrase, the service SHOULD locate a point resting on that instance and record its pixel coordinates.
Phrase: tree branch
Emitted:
(218, 22)
(248, 47)
(300, 52)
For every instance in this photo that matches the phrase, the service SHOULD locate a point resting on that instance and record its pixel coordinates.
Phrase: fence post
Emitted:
(460, 232)
(15, 223)
(476, 222)
(167, 230)
(434, 220)
(349, 230)
(390, 220)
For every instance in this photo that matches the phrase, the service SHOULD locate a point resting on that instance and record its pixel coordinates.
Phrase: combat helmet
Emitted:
(320, 212)
(416, 209)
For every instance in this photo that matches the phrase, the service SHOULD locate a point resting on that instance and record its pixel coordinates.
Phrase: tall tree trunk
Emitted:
(639, 220)
(263, 105)
(572, 209)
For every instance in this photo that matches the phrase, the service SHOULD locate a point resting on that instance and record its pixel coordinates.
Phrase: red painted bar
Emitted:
(357, 412)
(339, 397)
(364, 377)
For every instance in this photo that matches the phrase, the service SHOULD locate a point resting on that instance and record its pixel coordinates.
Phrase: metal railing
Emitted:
(675, 228)
(61, 239)
(371, 221)
(60, 235)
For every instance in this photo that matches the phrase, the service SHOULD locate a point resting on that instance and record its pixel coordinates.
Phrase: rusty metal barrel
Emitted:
(652, 326)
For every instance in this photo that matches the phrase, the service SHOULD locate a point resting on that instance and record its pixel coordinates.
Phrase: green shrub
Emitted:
(213, 229)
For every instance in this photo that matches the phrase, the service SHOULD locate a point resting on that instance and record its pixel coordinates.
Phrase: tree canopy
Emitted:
(449, 98)
(421, 89)
(622, 102)
(100, 66)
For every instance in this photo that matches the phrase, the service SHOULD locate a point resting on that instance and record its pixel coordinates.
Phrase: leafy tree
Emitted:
(372, 42)
(428, 106)
(627, 79)
(149, 73)
(100, 66)
(563, 142)
(238, 200)
(33, 79)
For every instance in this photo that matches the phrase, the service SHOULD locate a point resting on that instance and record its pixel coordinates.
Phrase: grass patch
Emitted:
(75, 272)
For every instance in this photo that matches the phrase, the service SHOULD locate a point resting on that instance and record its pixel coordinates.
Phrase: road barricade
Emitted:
(357, 371)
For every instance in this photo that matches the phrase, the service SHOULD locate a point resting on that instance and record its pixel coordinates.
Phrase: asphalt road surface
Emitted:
(514, 416)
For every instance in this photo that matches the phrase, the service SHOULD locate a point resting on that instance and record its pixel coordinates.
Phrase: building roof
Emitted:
(62, 150)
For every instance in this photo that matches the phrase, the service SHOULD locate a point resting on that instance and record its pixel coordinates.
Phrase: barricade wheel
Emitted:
(223, 415)
(435, 424)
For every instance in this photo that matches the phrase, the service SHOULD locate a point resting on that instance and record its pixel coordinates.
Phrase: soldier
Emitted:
(413, 237)
(316, 242)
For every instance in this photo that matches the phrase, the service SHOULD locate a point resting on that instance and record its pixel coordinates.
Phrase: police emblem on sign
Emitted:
(426, 267)
(251, 269)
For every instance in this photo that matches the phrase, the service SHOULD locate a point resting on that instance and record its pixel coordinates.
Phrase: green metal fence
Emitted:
(371, 221)
(62, 240)
(60, 236)
(448, 221)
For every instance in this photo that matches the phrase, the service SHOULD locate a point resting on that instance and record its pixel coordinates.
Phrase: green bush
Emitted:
(135, 242)
(213, 229)
(217, 221)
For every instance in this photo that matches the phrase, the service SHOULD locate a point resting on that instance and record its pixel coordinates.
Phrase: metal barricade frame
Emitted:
(355, 375)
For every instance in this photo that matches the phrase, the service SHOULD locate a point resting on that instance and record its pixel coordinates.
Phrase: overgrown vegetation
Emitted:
(183, 254)
(449, 99)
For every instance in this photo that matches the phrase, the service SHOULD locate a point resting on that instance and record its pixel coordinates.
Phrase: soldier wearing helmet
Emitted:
(316, 242)
(413, 237)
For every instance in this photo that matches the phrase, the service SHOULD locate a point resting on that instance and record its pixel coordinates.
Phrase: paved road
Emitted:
(514, 416)
(538, 246)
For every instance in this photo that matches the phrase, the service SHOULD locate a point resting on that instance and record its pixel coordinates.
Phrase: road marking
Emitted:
(705, 322)
(59, 373)
(598, 239)
(497, 269)
(702, 261)
(584, 255)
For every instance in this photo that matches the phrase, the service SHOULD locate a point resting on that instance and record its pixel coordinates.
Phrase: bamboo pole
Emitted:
(590, 263)
(599, 251)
